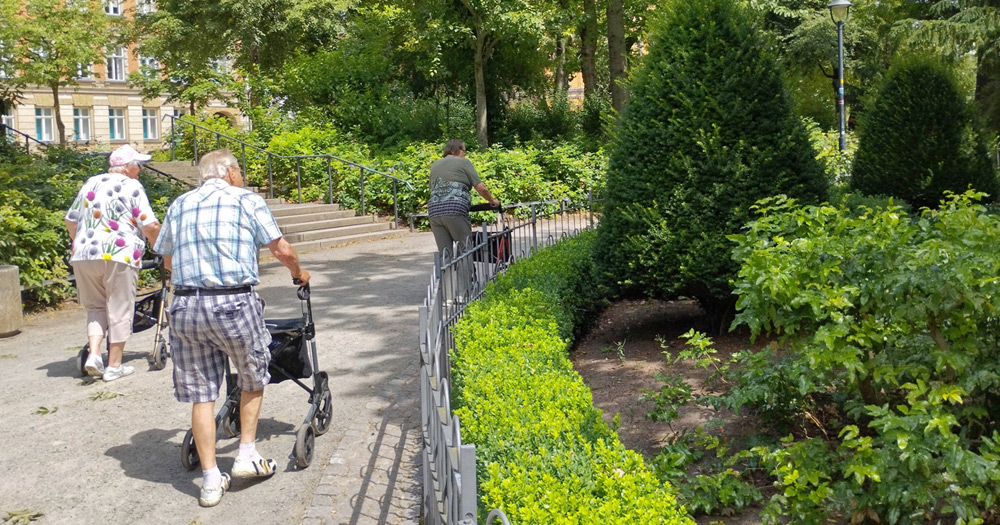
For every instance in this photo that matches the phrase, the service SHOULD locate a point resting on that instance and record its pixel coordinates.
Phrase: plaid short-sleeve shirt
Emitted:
(214, 233)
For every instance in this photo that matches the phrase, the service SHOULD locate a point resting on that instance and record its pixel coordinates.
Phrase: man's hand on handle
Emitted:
(302, 279)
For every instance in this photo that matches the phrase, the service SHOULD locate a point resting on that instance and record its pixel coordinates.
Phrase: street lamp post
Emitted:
(839, 11)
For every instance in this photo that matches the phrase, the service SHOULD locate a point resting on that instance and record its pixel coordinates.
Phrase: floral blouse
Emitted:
(110, 211)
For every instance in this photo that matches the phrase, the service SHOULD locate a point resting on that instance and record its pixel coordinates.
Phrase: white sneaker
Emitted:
(259, 468)
(110, 374)
(94, 365)
(211, 497)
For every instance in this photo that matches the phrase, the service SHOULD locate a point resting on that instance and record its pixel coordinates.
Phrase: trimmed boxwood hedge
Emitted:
(544, 454)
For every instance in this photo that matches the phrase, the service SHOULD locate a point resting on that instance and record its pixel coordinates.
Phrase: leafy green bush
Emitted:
(918, 139)
(889, 338)
(37, 191)
(544, 454)
(708, 130)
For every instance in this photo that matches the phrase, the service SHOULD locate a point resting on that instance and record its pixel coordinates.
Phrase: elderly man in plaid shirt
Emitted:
(210, 239)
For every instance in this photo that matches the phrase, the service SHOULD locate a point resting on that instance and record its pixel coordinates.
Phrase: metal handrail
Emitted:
(5, 129)
(297, 158)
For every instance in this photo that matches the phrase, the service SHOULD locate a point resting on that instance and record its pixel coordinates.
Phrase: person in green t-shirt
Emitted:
(452, 177)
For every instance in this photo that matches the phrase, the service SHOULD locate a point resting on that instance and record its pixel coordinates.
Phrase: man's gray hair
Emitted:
(215, 165)
(123, 168)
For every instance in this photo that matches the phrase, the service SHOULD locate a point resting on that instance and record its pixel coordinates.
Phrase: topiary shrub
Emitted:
(709, 130)
(918, 139)
(543, 453)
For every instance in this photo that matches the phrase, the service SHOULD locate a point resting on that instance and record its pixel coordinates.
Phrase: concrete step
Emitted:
(289, 210)
(300, 225)
(322, 244)
(304, 226)
(313, 217)
(183, 170)
(329, 233)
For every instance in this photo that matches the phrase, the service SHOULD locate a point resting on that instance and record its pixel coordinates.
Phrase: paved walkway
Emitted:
(109, 452)
(374, 474)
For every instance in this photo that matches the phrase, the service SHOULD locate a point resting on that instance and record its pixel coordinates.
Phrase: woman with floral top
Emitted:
(109, 223)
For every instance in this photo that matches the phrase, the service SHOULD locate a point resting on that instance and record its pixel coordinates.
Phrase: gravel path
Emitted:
(92, 452)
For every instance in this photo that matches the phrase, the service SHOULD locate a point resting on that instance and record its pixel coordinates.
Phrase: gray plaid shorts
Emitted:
(204, 330)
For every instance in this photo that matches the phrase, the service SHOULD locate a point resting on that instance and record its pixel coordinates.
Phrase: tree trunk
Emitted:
(617, 53)
(560, 60)
(588, 47)
(561, 77)
(482, 137)
(987, 93)
(55, 108)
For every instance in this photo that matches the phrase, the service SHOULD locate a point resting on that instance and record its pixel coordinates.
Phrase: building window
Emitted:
(81, 124)
(5, 60)
(84, 71)
(113, 7)
(149, 124)
(117, 67)
(7, 118)
(43, 124)
(144, 7)
(116, 123)
(148, 65)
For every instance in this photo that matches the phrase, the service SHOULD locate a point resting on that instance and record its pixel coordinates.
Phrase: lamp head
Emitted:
(839, 10)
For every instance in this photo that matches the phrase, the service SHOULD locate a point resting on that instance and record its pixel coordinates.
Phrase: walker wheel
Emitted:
(81, 360)
(189, 453)
(160, 354)
(325, 412)
(305, 441)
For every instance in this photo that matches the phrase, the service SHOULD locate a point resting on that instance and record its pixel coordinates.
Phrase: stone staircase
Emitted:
(307, 227)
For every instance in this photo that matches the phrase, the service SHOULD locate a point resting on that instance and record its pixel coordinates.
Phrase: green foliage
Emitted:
(36, 192)
(918, 140)
(674, 394)
(701, 468)
(544, 454)
(708, 130)
(888, 326)
(547, 118)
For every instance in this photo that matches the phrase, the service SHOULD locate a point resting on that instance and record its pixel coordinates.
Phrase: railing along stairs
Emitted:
(222, 139)
(306, 225)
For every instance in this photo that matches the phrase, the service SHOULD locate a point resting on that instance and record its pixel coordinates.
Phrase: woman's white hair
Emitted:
(215, 165)
(123, 168)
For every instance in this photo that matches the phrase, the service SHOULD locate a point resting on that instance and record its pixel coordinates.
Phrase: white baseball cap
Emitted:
(126, 154)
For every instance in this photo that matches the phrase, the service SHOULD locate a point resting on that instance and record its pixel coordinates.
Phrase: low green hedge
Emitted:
(544, 454)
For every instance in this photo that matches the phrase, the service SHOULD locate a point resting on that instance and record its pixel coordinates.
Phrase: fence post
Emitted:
(395, 206)
(270, 178)
(298, 176)
(173, 141)
(194, 141)
(329, 178)
(467, 509)
(534, 228)
(362, 189)
(590, 207)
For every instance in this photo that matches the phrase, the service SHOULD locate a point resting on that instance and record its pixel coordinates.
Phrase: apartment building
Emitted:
(100, 111)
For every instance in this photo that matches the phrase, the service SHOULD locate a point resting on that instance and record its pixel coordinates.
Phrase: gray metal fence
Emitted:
(449, 466)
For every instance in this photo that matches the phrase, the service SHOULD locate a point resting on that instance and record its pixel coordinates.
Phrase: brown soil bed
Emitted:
(620, 357)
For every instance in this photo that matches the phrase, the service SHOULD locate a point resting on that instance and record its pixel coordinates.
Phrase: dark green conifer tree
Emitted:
(918, 138)
(709, 129)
